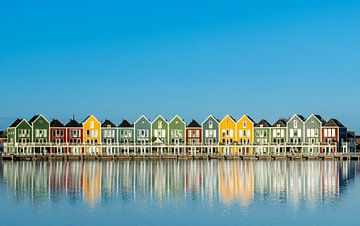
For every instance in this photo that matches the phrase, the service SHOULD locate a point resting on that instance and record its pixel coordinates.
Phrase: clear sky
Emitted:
(121, 59)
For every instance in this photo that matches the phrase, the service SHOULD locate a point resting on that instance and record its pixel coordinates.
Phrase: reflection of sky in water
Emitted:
(223, 188)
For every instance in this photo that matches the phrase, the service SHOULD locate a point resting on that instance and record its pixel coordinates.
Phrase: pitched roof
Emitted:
(194, 124)
(263, 123)
(333, 122)
(321, 119)
(16, 123)
(281, 122)
(211, 116)
(56, 123)
(232, 118)
(33, 119)
(351, 134)
(125, 124)
(249, 118)
(73, 123)
(2, 134)
(107, 123)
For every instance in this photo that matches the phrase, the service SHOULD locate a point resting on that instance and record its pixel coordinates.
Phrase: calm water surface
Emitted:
(180, 193)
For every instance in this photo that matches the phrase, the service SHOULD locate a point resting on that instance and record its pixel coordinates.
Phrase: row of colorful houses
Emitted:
(217, 135)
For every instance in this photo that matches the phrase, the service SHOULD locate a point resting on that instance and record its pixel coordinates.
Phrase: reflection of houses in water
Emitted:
(236, 181)
(176, 181)
(92, 182)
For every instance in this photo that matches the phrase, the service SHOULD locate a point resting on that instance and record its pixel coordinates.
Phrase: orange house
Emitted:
(245, 134)
(227, 134)
(92, 134)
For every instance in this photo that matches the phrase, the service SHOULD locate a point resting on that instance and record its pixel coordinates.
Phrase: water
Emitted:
(180, 193)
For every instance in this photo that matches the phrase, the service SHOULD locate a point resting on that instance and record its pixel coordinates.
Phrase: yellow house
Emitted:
(227, 128)
(92, 134)
(245, 133)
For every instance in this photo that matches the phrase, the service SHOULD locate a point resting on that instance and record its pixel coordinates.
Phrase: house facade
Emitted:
(193, 137)
(160, 131)
(278, 136)
(92, 135)
(210, 134)
(41, 133)
(143, 134)
(333, 132)
(313, 125)
(19, 132)
(126, 136)
(57, 137)
(262, 132)
(177, 134)
(295, 130)
(245, 134)
(227, 128)
(109, 136)
(74, 137)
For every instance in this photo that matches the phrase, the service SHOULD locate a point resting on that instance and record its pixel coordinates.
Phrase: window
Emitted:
(160, 124)
(210, 124)
(92, 125)
(244, 124)
(295, 124)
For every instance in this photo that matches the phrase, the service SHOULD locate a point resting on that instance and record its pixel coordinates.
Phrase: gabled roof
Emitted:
(177, 116)
(318, 117)
(282, 122)
(210, 116)
(232, 118)
(263, 123)
(35, 117)
(194, 124)
(302, 118)
(16, 122)
(73, 123)
(350, 134)
(125, 124)
(333, 123)
(160, 116)
(107, 123)
(56, 123)
(248, 118)
(2, 134)
(143, 116)
(32, 120)
(87, 118)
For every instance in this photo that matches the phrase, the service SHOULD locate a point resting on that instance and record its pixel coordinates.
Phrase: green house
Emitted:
(160, 131)
(177, 128)
(41, 132)
(262, 136)
(19, 132)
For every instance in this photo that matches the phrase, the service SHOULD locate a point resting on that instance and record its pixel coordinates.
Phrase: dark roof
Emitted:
(194, 124)
(350, 134)
(107, 123)
(125, 124)
(73, 123)
(301, 117)
(264, 123)
(249, 118)
(2, 134)
(230, 117)
(320, 118)
(334, 122)
(16, 122)
(281, 122)
(33, 119)
(56, 123)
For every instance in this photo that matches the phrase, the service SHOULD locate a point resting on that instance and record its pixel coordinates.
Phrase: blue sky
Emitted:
(121, 59)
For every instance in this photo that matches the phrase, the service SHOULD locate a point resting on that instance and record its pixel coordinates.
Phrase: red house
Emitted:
(333, 132)
(193, 136)
(74, 136)
(57, 136)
